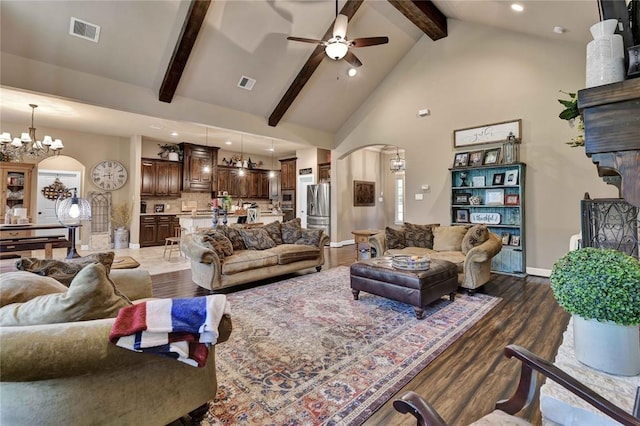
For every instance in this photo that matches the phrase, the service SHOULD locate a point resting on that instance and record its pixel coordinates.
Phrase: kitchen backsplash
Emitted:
(174, 205)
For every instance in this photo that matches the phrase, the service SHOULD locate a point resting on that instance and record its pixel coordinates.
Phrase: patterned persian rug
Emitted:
(303, 352)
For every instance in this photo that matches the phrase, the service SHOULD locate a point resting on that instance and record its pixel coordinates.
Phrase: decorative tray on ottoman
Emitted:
(411, 263)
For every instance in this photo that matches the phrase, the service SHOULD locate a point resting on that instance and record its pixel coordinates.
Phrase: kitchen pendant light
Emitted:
(272, 172)
(241, 171)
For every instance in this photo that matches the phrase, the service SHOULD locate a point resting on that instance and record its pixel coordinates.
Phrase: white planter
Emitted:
(121, 238)
(606, 346)
(605, 54)
(173, 156)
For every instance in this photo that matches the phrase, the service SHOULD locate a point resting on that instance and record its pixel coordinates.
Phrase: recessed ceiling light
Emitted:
(174, 134)
(352, 72)
(517, 7)
(228, 142)
(270, 149)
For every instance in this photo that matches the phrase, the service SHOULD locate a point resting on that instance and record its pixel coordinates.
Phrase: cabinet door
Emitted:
(16, 187)
(174, 179)
(253, 183)
(196, 176)
(288, 172)
(223, 180)
(148, 231)
(324, 172)
(162, 179)
(148, 171)
(263, 185)
(165, 228)
(238, 184)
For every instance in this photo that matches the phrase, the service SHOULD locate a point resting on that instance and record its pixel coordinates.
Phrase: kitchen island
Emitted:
(190, 222)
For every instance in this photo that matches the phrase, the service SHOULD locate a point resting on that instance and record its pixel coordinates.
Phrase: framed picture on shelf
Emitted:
(505, 238)
(158, 208)
(511, 177)
(461, 159)
(512, 199)
(491, 156)
(475, 158)
(515, 240)
(494, 197)
(462, 216)
(498, 179)
(478, 181)
(461, 198)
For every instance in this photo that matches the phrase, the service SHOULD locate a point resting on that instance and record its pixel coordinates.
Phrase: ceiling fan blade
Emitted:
(306, 40)
(340, 26)
(352, 59)
(368, 41)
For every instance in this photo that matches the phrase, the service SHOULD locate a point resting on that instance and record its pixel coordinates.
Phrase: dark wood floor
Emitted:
(466, 380)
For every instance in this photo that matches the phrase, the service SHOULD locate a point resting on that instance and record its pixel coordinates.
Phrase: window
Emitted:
(399, 201)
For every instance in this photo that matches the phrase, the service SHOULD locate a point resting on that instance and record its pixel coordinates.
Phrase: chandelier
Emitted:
(397, 164)
(28, 145)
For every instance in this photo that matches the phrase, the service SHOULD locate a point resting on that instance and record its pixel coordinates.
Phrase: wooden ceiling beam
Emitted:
(350, 8)
(424, 15)
(188, 35)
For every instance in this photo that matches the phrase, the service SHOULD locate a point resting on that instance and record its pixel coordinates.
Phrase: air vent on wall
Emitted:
(246, 82)
(84, 29)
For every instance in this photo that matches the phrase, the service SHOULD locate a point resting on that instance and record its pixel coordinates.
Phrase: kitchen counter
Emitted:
(190, 223)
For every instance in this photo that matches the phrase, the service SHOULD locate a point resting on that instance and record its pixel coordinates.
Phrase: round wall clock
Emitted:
(109, 175)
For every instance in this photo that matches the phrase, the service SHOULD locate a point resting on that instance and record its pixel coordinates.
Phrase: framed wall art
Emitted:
(461, 159)
(488, 133)
(512, 199)
(462, 216)
(461, 198)
(498, 179)
(511, 177)
(475, 158)
(491, 156)
(364, 193)
(494, 197)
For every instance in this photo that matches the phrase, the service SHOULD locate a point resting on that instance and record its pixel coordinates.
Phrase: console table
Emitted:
(561, 407)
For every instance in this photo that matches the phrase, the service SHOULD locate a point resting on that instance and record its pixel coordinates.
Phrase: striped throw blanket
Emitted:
(181, 329)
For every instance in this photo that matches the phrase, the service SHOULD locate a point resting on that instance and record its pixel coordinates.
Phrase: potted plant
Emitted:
(572, 115)
(171, 152)
(601, 289)
(120, 218)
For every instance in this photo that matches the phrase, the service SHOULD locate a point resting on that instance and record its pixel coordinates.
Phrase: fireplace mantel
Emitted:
(611, 115)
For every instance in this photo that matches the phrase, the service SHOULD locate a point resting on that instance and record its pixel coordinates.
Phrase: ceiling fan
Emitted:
(337, 47)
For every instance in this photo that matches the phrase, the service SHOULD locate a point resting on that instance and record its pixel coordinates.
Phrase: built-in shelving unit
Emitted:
(494, 195)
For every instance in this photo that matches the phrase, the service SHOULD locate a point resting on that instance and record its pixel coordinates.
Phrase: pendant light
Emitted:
(241, 171)
(272, 172)
(207, 167)
(397, 164)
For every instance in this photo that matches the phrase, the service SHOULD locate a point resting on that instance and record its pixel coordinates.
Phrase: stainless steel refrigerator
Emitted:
(319, 207)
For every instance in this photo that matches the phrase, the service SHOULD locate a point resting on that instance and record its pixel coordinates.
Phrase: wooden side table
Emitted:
(362, 237)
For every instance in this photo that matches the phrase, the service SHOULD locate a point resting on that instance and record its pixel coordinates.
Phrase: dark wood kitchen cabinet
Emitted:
(288, 173)
(160, 178)
(199, 168)
(254, 184)
(155, 228)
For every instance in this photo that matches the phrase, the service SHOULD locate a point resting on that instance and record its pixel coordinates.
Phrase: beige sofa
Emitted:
(244, 266)
(445, 243)
(69, 373)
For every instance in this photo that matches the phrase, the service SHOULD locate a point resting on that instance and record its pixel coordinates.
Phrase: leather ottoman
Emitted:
(417, 288)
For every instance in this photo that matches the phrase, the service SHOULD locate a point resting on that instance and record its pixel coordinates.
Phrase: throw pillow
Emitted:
(22, 286)
(275, 232)
(64, 270)
(310, 237)
(418, 235)
(90, 296)
(448, 238)
(394, 238)
(256, 239)
(475, 236)
(234, 236)
(291, 231)
(216, 241)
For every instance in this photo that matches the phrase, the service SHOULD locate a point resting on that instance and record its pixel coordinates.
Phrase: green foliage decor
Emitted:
(572, 114)
(600, 284)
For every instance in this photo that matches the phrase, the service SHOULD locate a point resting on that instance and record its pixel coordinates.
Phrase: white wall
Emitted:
(480, 75)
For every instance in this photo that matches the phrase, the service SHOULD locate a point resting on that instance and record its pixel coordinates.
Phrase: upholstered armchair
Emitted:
(503, 414)
(69, 373)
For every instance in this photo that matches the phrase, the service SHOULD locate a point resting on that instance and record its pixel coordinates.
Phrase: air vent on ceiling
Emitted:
(84, 29)
(246, 82)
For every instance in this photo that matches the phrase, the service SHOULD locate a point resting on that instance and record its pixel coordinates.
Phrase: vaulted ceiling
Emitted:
(148, 45)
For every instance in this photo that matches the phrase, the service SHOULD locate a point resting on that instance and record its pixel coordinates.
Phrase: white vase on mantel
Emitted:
(605, 54)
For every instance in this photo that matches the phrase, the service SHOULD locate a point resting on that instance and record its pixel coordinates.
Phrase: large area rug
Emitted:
(303, 352)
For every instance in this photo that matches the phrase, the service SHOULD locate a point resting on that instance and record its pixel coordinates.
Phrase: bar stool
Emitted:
(170, 242)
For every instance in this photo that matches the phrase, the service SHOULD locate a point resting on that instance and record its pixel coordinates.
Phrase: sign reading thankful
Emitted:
(484, 217)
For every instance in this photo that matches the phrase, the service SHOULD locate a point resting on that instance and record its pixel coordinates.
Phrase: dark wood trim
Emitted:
(424, 15)
(350, 8)
(188, 35)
